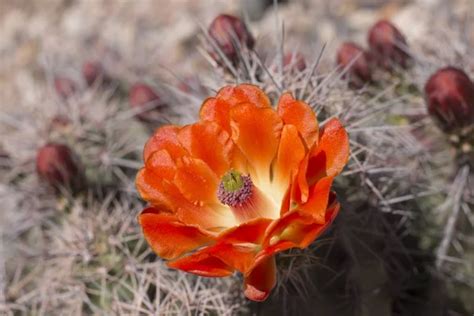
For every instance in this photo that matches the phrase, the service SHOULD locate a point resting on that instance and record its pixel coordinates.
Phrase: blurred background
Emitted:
(83, 84)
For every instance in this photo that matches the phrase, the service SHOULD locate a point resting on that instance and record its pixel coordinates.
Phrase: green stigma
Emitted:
(232, 181)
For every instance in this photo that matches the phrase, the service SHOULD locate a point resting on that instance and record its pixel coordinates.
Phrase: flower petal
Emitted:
(156, 190)
(301, 115)
(256, 131)
(318, 200)
(291, 152)
(168, 237)
(326, 159)
(214, 217)
(332, 153)
(196, 181)
(238, 246)
(161, 163)
(261, 280)
(203, 264)
(165, 137)
(164, 194)
(208, 142)
(292, 227)
(217, 109)
(244, 93)
(295, 229)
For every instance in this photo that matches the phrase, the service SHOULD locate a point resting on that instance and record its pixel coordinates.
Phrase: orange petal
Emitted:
(244, 93)
(165, 137)
(208, 142)
(291, 227)
(326, 159)
(156, 190)
(196, 181)
(287, 199)
(300, 188)
(295, 229)
(256, 131)
(202, 263)
(213, 217)
(261, 280)
(238, 246)
(332, 153)
(240, 163)
(168, 237)
(251, 232)
(161, 163)
(164, 194)
(301, 115)
(318, 200)
(217, 109)
(291, 152)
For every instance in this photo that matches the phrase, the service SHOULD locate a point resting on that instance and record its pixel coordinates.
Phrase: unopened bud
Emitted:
(295, 60)
(387, 45)
(146, 102)
(93, 71)
(56, 164)
(449, 95)
(230, 35)
(64, 86)
(357, 62)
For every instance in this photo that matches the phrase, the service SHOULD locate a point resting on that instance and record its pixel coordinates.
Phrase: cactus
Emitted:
(402, 243)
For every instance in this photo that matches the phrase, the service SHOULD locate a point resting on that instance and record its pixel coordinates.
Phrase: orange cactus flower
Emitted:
(245, 182)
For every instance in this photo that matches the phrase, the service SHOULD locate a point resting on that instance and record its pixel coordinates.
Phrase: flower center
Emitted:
(235, 189)
(245, 200)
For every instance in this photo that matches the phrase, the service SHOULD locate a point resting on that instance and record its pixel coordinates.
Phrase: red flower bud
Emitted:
(296, 60)
(357, 60)
(56, 164)
(64, 86)
(229, 34)
(387, 45)
(92, 71)
(449, 95)
(146, 101)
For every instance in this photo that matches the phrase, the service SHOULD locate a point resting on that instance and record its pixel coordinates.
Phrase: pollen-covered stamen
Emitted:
(235, 189)
(244, 199)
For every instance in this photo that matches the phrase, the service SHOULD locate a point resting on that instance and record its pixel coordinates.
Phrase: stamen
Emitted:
(244, 199)
(235, 189)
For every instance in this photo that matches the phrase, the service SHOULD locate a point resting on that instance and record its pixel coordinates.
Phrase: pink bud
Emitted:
(55, 164)
(296, 60)
(146, 101)
(449, 94)
(357, 60)
(64, 86)
(387, 45)
(92, 71)
(229, 32)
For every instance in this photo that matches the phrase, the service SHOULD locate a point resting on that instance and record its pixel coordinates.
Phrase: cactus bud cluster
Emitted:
(386, 49)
